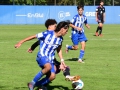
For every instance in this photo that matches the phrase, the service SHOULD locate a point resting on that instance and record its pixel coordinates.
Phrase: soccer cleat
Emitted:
(100, 35)
(80, 61)
(43, 88)
(30, 86)
(96, 33)
(72, 78)
(66, 50)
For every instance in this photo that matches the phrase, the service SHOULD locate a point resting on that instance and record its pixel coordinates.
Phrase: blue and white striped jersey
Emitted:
(79, 22)
(48, 44)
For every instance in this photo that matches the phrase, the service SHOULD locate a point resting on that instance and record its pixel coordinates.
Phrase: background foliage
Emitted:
(57, 2)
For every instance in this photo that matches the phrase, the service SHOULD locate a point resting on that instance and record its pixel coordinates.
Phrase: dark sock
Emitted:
(42, 82)
(66, 72)
(100, 30)
(97, 29)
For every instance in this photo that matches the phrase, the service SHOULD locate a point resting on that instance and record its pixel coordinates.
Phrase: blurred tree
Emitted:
(5, 2)
(117, 2)
(57, 2)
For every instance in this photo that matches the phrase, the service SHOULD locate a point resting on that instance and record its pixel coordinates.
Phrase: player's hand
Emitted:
(17, 45)
(30, 50)
(79, 29)
(63, 63)
(62, 67)
(97, 19)
(103, 20)
(88, 27)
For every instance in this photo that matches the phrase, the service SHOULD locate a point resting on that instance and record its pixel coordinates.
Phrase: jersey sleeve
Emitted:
(85, 22)
(41, 35)
(73, 20)
(104, 10)
(96, 9)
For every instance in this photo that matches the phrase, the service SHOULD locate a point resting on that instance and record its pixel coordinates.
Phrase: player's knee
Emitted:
(76, 48)
(52, 77)
(100, 25)
(47, 67)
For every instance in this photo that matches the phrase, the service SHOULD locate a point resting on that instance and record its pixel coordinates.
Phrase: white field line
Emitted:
(114, 39)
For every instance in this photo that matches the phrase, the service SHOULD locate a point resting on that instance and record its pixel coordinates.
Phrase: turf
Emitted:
(101, 70)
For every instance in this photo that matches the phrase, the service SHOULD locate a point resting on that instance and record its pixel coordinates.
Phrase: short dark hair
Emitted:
(62, 24)
(80, 6)
(49, 22)
(101, 1)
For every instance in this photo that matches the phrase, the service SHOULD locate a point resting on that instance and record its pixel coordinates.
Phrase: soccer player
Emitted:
(78, 35)
(100, 18)
(49, 43)
(58, 68)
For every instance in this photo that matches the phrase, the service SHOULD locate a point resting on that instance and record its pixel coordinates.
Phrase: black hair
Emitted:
(49, 22)
(101, 1)
(80, 6)
(62, 24)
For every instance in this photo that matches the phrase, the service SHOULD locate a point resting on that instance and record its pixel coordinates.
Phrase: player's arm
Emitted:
(33, 46)
(104, 15)
(86, 24)
(96, 14)
(24, 40)
(73, 26)
(59, 51)
(77, 28)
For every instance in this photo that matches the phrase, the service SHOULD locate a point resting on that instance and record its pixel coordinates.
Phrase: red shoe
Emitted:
(96, 33)
(30, 86)
(100, 35)
(72, 78)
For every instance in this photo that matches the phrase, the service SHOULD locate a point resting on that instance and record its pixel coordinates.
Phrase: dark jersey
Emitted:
(100, 11)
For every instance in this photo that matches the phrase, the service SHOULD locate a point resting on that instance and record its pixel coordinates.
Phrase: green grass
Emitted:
(101, 70)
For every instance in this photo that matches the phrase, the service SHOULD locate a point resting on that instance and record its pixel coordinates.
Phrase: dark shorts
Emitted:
(100, 19)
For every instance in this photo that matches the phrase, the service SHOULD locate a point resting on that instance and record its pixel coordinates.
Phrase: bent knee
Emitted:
(47, 67)
(52, 77)
(75, 48)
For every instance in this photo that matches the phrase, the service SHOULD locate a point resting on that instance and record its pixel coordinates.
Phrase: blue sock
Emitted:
(69, 47)
(37, 77)
(42, 82)
(81, 54)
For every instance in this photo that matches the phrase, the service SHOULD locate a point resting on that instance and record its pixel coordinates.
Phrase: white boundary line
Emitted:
(114, 39)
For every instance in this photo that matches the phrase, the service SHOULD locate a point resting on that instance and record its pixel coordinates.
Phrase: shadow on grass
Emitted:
(73, 59)
(58, 87)
(2, 87)
(19, 88)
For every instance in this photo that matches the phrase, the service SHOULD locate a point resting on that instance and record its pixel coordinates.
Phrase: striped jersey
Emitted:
(48, 44)
(79, 21)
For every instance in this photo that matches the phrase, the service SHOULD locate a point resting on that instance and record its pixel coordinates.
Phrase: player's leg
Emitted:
(98, 28)
(82, 41)
(43, 63)
(82, 51)
(75, 41)
(50, 76)
(100, 25)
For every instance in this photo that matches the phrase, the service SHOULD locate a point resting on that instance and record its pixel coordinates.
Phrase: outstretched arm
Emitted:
(33, 46)
(24, 40)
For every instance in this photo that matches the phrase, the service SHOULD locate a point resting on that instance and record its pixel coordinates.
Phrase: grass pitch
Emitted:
(101, 70)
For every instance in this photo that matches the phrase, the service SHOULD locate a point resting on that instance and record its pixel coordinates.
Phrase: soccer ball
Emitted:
(77, 85)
